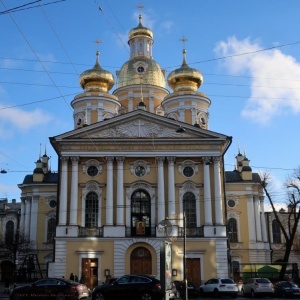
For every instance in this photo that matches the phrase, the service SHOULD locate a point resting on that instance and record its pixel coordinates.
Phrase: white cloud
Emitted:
(15, 119)
(274, 89)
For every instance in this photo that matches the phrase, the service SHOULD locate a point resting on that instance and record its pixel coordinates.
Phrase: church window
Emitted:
(189, 207)
(231, 203)
(232, 230)
(140, 211)
(276, 232)
(188, 171)
(51, 225)
(92, 171)
(53, 203)
(91, 210)
(9, 232)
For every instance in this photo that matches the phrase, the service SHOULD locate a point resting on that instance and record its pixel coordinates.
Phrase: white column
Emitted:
(74, 191)
(109, 191)
(22, 219)
(251, 224)
(257, 218)
(207, 193)
(160, 190)
(171, 186)
(33, 218)
(218, 195)
(63, 191)
(27, 215)
(263, 220)
(120, 191)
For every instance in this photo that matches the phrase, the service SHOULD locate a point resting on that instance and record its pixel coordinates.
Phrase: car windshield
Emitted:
(228, 281)
(262, 280)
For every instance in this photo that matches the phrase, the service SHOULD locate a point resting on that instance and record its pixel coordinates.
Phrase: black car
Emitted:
(51, 288)
(192, 290)
(142, 287)
(286, 289)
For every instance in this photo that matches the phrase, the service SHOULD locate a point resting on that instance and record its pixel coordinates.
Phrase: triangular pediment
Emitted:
(140, 124)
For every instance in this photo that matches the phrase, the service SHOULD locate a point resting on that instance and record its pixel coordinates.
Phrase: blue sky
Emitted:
(255, 92)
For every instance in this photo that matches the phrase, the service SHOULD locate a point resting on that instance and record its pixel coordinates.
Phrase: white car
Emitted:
(219, 287)
(257, 287)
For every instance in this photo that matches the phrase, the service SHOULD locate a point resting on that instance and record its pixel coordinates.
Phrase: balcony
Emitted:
(191, 232)
(90, 232)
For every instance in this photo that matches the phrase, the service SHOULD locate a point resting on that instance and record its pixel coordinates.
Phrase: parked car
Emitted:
(286, 289)
(142, 287)
(51, 288)
(192, 290)
(257, 287)
(110, 280)
(219, 287)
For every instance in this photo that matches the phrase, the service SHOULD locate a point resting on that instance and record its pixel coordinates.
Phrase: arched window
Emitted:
(91, 210)
(51, 225)
(189, 207)
(140, 212)
(9, 232)
(232, 230)
(276, 232)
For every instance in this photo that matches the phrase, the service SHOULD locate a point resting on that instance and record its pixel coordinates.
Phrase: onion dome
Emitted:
(140, 30)
(185, 78)
(96, 79)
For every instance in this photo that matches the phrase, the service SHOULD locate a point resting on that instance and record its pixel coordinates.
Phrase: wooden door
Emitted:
(140, 261)
(89, 272)
(193, 272)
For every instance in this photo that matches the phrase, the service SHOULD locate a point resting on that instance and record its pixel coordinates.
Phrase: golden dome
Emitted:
(185, 78)
(96, 79)
(130, 73)
(140, 30)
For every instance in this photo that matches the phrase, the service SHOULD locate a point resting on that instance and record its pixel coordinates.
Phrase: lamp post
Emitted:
(184, 256)
(184, 252)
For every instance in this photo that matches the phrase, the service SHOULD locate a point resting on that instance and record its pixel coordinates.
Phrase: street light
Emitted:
(184, 252)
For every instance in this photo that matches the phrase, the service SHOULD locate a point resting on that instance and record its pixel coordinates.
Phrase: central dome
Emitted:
(131, 74)
(141, 68)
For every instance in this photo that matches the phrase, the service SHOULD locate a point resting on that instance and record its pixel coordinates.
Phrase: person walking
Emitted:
(72, 276)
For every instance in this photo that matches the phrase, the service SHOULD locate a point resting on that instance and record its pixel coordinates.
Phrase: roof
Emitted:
(235, 176)
(48, 178)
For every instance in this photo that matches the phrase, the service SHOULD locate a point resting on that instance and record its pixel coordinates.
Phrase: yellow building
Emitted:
(138, 162)
(136, 157)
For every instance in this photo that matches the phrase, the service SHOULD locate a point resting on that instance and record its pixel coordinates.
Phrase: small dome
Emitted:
(185, 78)
(38, 171)
(246, 168)
(140, 30)
(96, 79)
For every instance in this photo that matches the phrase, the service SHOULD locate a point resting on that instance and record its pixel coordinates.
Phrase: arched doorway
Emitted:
(140, 261)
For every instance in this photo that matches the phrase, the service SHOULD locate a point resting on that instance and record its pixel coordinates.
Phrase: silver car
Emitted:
(219, 287)
(257, 287)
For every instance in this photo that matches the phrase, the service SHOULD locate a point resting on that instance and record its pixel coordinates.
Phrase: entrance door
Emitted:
(140, 261)
(90, 272)
(193, 270)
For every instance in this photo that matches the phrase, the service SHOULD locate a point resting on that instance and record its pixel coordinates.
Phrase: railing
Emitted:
(90, 232)
(191, 231)
(98, 232)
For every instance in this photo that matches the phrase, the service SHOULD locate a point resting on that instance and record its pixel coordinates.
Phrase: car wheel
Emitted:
(253, 294)
(99, 296)
(216, 293)
(146, 296)
(60, 296)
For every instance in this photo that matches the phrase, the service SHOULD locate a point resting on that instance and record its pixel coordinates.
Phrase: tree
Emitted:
(288, 222)
(14, 244)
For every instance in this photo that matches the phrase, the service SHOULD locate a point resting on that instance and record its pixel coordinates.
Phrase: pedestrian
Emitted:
(76, 278)
(72, 276)
(6, 286)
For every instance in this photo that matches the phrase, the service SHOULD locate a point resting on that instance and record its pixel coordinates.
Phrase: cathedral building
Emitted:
(141, 167)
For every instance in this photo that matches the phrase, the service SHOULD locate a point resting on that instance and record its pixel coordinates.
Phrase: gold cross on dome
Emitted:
(183, 40)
